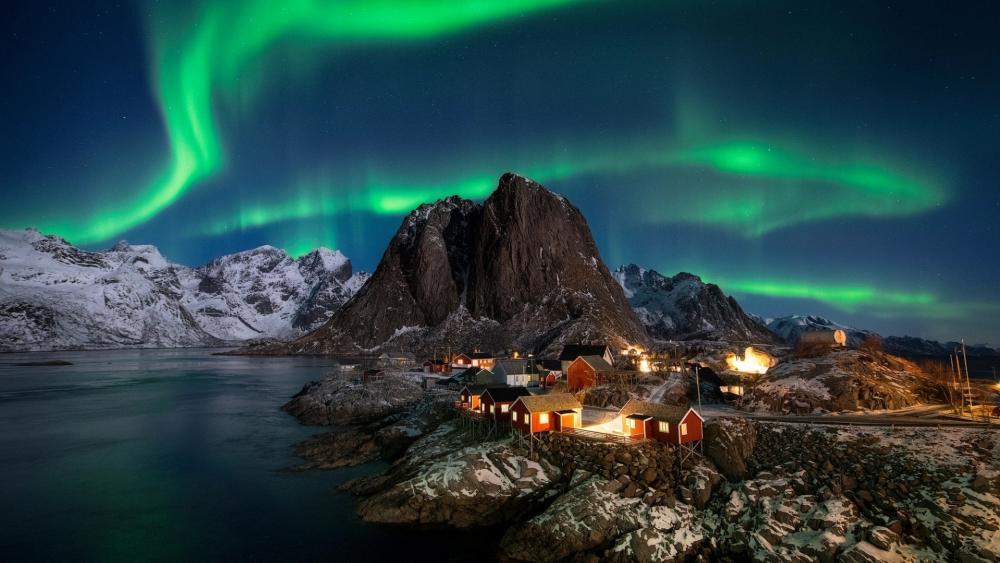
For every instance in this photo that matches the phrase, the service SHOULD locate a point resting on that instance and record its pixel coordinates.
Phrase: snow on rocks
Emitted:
(593, 514)
(838, 380)
(442, 481)
(56, 296)
(340, 400)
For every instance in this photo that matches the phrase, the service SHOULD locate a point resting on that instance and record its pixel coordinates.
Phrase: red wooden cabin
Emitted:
(482, 360)
(470, 397)
(436, 366)
(664, 423)
(461, 360)
(586, 371)
(496, 401)
(554, 412)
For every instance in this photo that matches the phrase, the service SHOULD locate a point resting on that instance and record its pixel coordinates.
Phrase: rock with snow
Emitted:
(443, 480)
(729, 442)
(791, 327)
(56, 296)
(839, 380)
(521, 270)
(683, 307)
(593, 514)
(344, 400)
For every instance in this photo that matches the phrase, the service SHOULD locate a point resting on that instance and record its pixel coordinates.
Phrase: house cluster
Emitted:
(580, 366)
(532, 414)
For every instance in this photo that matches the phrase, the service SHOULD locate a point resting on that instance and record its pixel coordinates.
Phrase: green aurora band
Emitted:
(752, 188)
(193, 58)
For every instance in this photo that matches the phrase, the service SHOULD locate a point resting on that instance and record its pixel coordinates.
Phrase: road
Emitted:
(924, 415)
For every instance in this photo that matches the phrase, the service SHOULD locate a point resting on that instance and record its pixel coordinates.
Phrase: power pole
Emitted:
(968, 384)
(697, 384)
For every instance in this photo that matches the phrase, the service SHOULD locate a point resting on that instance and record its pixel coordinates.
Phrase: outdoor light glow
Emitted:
(753, 361)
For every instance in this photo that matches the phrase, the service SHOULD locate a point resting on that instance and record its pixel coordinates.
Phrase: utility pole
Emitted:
(968, 384)
(697, 384)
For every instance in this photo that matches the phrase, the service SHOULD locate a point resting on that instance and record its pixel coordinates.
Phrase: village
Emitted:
(656, 396)
(518, 395)
(653, 456)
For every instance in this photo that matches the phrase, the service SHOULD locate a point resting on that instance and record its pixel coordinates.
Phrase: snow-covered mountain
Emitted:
(790, 327)
(683, 307)
(56, 296)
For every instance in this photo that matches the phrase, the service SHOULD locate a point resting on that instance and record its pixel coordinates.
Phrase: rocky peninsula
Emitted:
(762, 491)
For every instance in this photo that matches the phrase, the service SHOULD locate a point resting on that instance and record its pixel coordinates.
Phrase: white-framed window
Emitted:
(543, 418)
(684, 429)
(630, 422)
(664, 427)
(514, 416)
(504, 408)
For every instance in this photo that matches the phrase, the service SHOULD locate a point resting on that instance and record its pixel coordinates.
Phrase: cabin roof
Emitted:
(551, 365)
(597, 363)
(474, 389)
(668, 413)
(571, 352)
(511, 367)
(506, 394)
(552, 402)
(481, 356)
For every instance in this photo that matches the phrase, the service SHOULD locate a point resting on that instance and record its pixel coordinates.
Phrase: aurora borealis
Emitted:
(835, 160)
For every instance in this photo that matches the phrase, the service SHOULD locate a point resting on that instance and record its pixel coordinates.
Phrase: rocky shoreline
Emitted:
(761, 491)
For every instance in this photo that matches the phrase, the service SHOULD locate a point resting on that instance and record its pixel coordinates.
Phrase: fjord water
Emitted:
(179, 455)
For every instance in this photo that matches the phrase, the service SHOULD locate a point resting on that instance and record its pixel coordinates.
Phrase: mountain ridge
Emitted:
(55, 296)
(520, 270)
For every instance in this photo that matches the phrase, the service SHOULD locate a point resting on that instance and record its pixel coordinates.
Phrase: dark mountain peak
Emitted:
(522, 266)
(683, 307)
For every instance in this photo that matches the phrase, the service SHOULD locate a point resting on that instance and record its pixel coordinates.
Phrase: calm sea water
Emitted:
(174, 455)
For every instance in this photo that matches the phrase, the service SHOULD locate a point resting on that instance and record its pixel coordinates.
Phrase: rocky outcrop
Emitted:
(729, 442)
(683, 307)
(341, 400)
(791, 327)
(593, 516)
(444, 480)
(839, 380)
(384, 439)
(520, 270)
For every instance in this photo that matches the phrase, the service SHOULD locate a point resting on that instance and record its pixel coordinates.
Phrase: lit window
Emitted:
(514, 416)
(504, 408)
(684, 429)
(543, 418)
(630, 422)
(491, 409)
(664, 427)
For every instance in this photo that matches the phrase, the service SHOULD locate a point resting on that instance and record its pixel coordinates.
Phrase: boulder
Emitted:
(729, 442)
(437, 483)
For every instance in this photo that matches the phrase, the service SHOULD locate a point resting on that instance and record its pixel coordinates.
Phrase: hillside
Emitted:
(683, 307)
(55, 296)
(520, 270)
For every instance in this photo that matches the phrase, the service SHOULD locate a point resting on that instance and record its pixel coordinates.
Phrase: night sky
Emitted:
(838, 160)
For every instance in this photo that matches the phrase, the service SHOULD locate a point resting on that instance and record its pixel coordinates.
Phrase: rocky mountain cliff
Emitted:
(790, 327)
(683, 307)
(519, 270)
(56, 296)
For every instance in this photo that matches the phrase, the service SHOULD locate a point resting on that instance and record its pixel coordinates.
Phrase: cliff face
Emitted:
(519, 270)
(683, 307)
(55, 296)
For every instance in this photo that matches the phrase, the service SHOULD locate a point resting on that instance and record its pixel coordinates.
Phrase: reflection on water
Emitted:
(170, 455)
